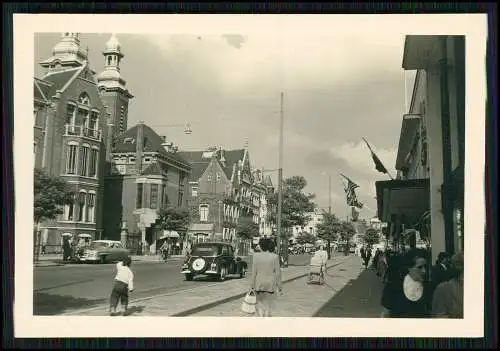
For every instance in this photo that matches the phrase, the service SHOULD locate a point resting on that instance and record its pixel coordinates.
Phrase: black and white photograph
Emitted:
(326, 170)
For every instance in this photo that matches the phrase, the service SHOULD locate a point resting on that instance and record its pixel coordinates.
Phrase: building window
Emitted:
(81, 206)
(194, 191)
(140, 188)
(218, 177)
(209, 178)
(82, 117)
(154, 196)
(84, 155)
(71, 159)
(84, 99)
(69, 208)
(93, 162)
(70, 114)
(122, 119)
(164, 195)
(90, 215)
(180, 199)
(94, 118)
(203, 213)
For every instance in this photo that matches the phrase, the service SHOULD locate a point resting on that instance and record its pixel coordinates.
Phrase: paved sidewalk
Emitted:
(175, 303)
(360, 298)
(300, 299)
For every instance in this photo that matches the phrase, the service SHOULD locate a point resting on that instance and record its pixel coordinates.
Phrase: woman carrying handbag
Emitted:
(266, 277)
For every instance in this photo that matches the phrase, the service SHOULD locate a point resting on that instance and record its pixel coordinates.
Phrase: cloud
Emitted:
(235, 40)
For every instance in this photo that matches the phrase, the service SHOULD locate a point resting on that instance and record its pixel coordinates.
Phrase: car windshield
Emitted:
(98, 245)
(206, 250)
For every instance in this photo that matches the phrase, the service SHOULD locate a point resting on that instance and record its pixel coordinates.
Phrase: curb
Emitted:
(234, 297)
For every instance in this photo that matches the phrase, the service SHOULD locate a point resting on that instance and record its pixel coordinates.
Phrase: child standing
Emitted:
(123, 284)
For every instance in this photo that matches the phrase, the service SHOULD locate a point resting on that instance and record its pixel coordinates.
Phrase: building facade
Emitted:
(430, 159)
(72, 129)
(310, 227)
(222, 190)
(147, 174)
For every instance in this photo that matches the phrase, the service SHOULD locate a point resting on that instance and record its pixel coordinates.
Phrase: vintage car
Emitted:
(103, 251)
(213, 259)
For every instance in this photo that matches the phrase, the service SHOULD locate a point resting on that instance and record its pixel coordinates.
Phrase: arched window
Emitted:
(82, 204)
(90, 214)
(69, 208)
(109, 60)
(84, 99)
(71, 157)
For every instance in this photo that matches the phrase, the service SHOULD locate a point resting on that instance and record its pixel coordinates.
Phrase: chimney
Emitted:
(139, 146)
(222, 158)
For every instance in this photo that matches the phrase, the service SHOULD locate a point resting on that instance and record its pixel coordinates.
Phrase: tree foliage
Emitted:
(305, 238)
(246, 228)
(371, 237)
(347, 231)
(329, 228)
(50, 195)
(296, 204)
(174, 218)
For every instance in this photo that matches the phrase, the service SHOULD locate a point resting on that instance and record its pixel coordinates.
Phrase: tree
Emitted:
(306, 238)
(50, 195)
(328, 229)
(174, 218)
(246, 229)
(371, 237)
(296, 205)
(347, 231)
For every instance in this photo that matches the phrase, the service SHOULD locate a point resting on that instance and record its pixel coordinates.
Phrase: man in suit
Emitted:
(441, 270)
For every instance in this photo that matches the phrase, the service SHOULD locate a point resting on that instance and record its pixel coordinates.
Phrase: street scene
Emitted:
(249, 176)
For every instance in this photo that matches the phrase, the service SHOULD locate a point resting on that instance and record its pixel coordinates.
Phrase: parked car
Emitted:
(213, 259)
(103, 251)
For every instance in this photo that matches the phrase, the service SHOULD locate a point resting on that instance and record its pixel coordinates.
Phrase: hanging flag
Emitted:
(352, 199)
(379, 166)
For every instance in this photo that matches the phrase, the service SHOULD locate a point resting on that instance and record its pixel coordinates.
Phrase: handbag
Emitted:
(249, 302)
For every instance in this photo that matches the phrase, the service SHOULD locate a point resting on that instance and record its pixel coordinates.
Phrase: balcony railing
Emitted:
(82, 131)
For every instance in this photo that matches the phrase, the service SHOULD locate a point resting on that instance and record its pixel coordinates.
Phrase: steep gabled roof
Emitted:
(126, 142)
(53, 82)
(200, 164)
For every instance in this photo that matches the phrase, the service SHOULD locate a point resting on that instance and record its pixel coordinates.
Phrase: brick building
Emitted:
(147, 173)
(75, 112)
(222, 189)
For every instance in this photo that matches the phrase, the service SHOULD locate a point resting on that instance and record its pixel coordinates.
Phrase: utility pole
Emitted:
(329, 193)
(280, 179)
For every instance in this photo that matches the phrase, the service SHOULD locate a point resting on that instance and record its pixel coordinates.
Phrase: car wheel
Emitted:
(102, 260)
(222, 274)
(189, 276)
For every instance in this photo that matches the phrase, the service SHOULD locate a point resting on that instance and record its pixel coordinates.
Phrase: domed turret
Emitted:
(66, 53)
(111, 77)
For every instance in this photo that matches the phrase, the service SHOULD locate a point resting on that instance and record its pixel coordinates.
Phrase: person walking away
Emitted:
(66, 248)
(319, 259)
(448, 298)
(375, 260)
(266, 277)
(440, 271)
(409, 296)
(122, 285)
(164, 251)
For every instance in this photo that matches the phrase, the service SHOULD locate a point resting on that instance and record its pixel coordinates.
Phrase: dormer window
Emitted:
(84, 99)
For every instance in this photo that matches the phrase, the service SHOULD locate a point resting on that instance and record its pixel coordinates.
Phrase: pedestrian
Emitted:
(122, 285)
(440, 271)
(366, 254)
(448, 298)
(409, 295)
(66, 248)
(163, 251)
(266, 277)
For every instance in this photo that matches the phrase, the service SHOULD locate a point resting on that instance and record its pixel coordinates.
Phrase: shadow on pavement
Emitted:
(359, 298)
(134, 309)
(49, 305)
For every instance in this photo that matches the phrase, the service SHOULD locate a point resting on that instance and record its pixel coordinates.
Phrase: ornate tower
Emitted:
(112, 87)
(67, 53)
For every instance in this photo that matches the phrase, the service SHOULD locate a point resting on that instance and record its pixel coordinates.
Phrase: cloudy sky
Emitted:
(339, 86)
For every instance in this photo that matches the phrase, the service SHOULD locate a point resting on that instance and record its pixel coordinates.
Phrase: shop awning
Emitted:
(407, 199)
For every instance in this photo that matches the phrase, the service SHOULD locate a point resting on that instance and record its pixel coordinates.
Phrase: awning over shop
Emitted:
(407, 199)
(169, 234)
